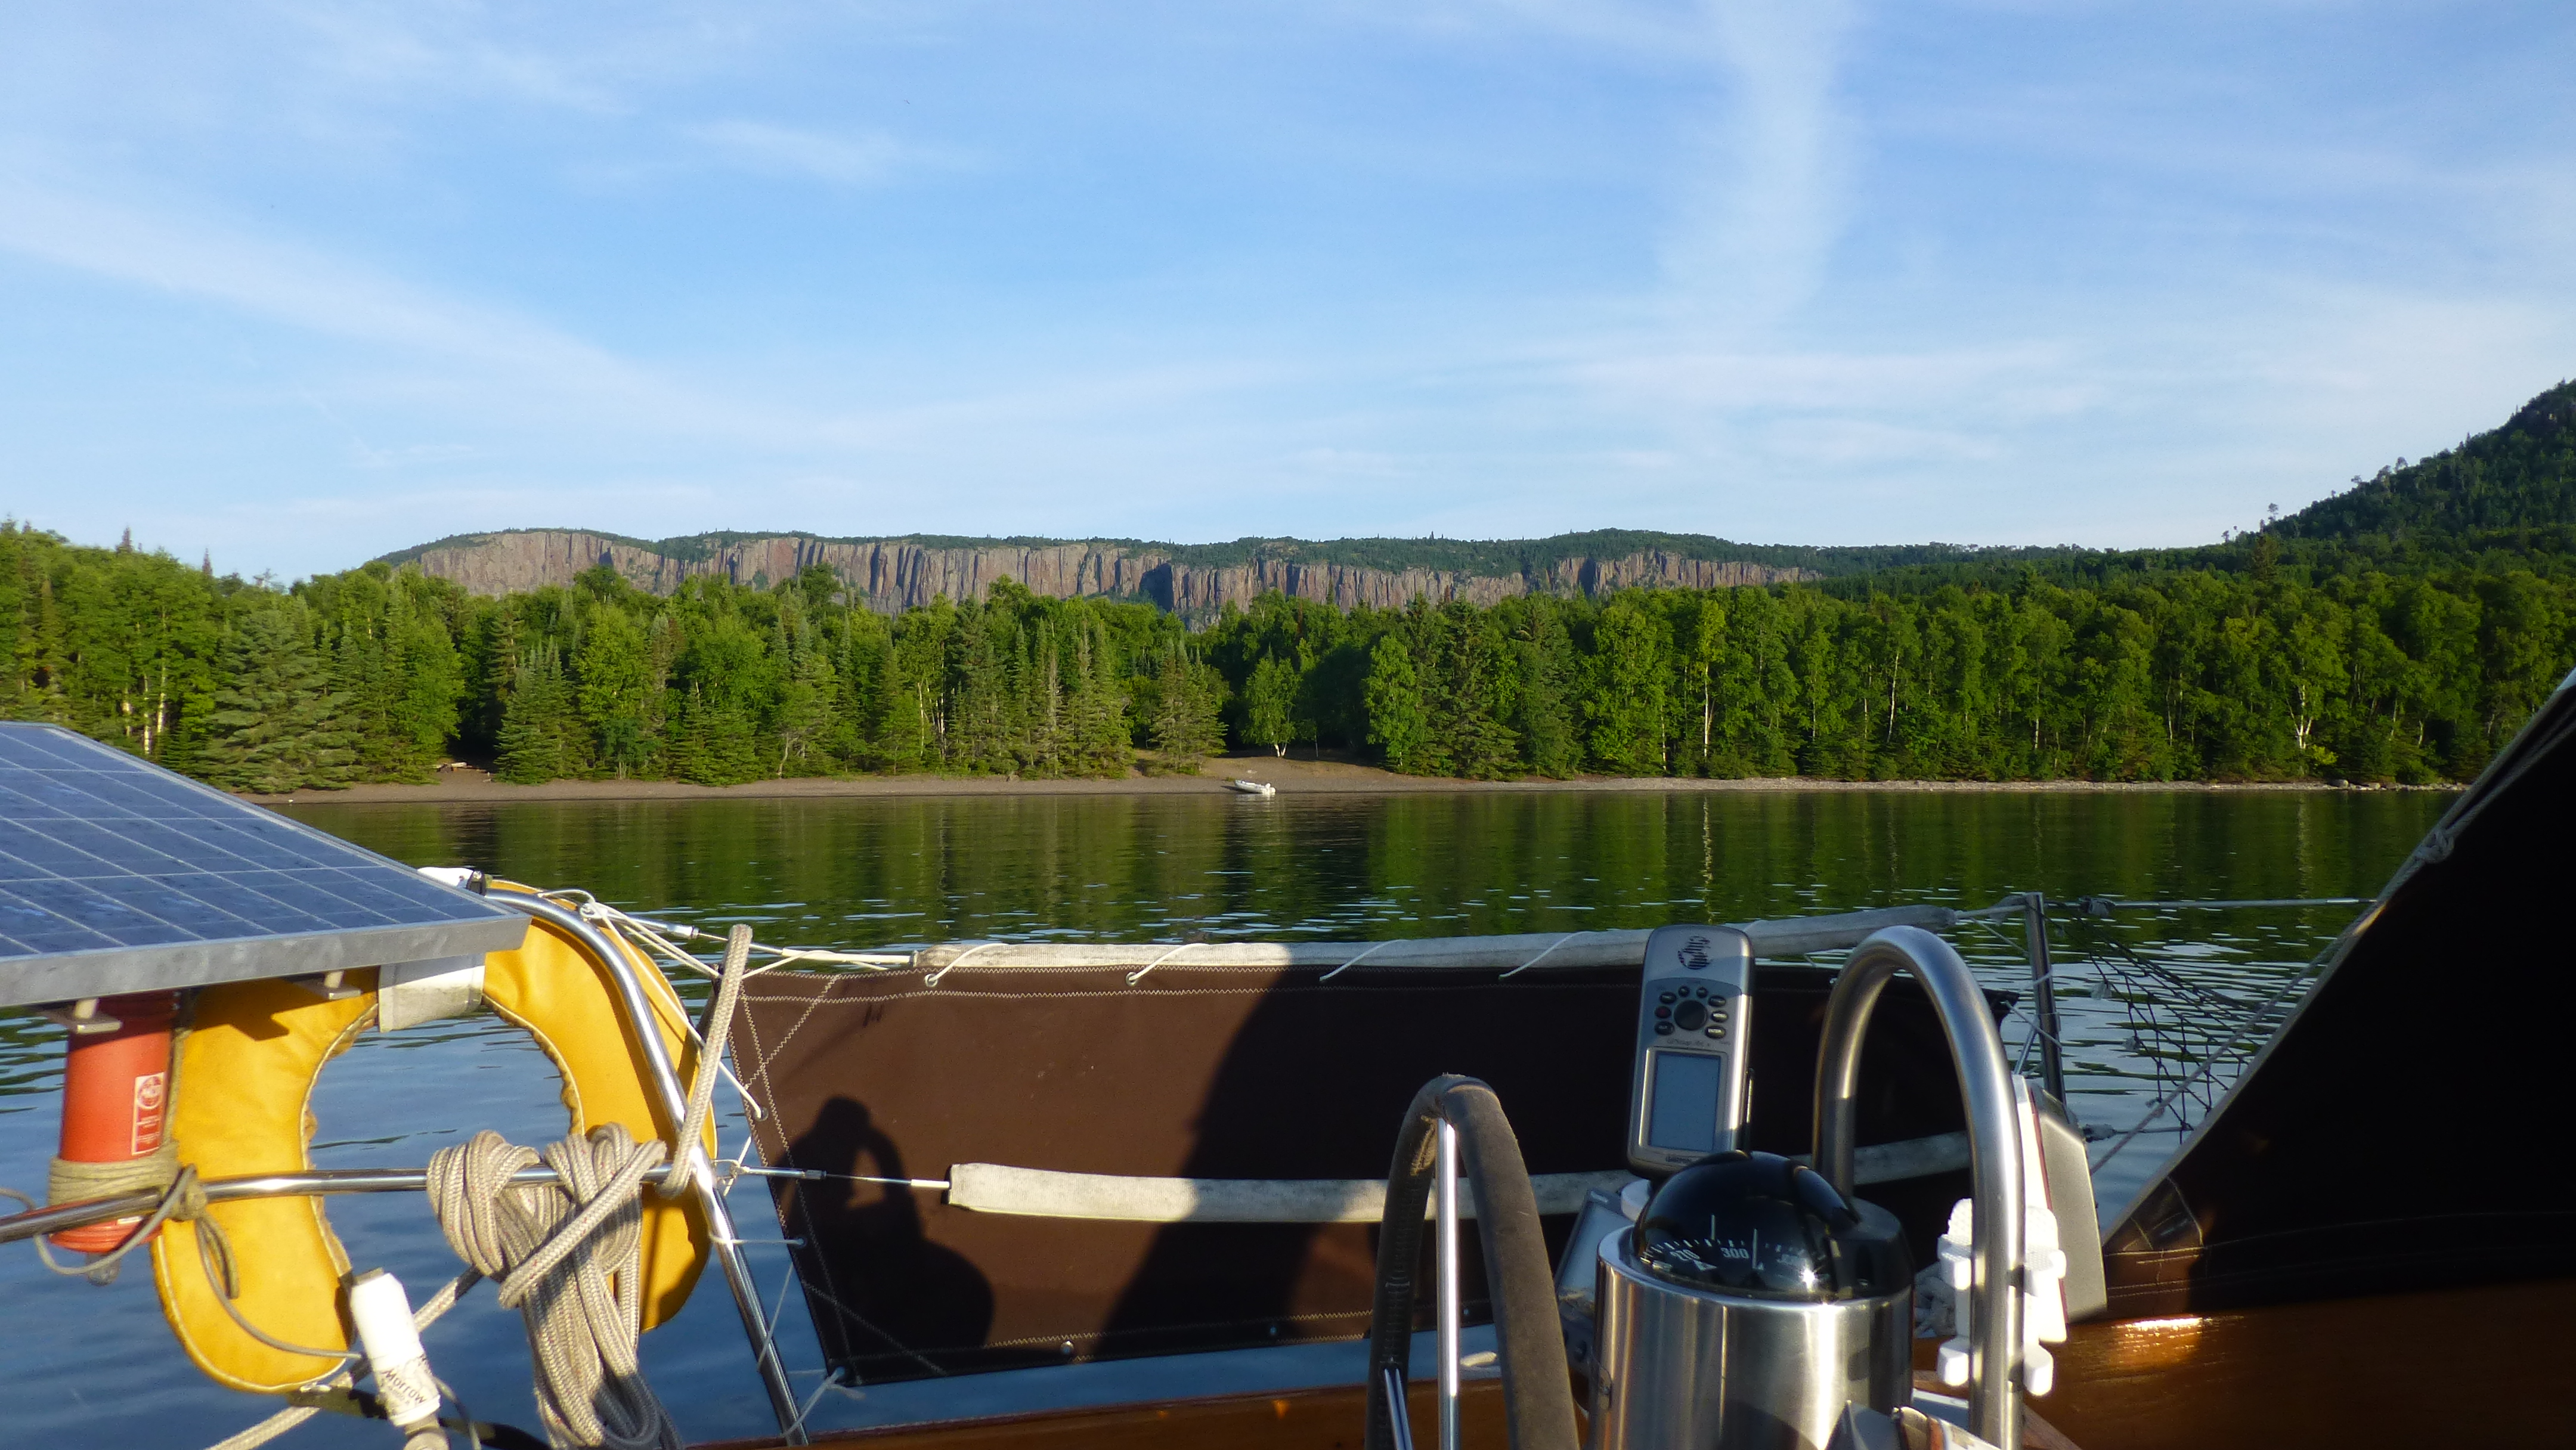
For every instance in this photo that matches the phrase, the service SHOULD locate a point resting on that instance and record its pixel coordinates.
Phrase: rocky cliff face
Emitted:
(895, 574)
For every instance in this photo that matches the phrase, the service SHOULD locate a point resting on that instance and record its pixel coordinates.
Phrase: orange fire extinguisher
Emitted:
(116, 1098)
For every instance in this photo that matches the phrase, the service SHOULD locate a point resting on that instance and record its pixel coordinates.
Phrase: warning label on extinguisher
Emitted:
(150, 1091)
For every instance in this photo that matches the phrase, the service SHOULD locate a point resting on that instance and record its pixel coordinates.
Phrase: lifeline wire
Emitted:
(659, 932)
(2279, 999)
(637, 929)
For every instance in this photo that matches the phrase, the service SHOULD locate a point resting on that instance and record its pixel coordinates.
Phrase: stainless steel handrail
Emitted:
(1451, 1317)
(666, 1086)
(1994, 1144)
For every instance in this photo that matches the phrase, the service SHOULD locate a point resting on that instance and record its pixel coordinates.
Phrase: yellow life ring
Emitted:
(241, 1106)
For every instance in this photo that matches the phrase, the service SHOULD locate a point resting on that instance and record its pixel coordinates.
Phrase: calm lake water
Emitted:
(86, 1366)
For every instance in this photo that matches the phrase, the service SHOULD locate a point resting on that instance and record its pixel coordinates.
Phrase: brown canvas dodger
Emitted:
(1201, 1072)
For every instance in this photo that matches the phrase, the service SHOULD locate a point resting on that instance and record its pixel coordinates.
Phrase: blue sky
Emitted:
(301, 283)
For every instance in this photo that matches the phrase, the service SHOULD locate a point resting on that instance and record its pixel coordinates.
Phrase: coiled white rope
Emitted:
(569, 1257)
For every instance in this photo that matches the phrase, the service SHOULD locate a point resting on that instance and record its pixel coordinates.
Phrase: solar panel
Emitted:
(118, 876)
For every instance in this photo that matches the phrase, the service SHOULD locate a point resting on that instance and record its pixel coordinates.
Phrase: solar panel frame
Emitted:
(117, 875)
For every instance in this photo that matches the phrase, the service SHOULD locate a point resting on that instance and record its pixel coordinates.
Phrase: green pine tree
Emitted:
(1542, 717)
(1099, 742)
(1186, 724)
(1626, 707)
(1466, 694)
(277, 725)
(1397, 721)
(427, 711)
(716, 743)
(541, 729)
(805, 712)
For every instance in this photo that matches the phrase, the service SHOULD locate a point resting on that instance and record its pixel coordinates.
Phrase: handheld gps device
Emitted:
(1694, 1007)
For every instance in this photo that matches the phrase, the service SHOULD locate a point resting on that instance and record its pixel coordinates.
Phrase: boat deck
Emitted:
(1314, 1419)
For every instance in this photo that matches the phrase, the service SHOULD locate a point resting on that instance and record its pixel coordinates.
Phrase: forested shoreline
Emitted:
(2273, 669)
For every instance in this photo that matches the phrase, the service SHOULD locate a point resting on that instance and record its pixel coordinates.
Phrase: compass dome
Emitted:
(1758, 1224)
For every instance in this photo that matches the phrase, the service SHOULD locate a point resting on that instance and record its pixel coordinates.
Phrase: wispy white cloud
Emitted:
(509, 360)
(442, 48)
(524, 418)
(209, 258)
(862, 159)
(532, 55)
(1670, 33)
(1650, 377)
(1765, 196)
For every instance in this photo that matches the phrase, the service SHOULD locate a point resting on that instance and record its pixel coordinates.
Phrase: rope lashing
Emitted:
(691, 1167)
(932, 979)
(183, 1200)
(1534, 961)
(569, 1257)
(635, 929)
(1138, 975)
(68, 1180)
(1355, 961)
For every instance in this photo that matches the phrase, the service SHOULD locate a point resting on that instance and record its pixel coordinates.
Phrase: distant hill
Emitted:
(2520, 476)
(900, 573)
(2501, 499)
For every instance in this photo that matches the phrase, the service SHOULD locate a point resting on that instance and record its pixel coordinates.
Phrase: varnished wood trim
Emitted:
(1317, 1419)
(2453, 1367)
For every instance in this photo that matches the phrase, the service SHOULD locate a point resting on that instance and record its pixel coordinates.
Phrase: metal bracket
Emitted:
(82, 1017)
(328, 986)
(410, 993)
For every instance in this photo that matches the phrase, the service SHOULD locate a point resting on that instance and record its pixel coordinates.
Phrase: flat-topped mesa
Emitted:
(1203, 589)
(888, 574)
(1657, 568)
(895, 574)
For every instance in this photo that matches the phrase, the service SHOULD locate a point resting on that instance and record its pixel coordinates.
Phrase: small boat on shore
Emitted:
(1024, 1167)
(1253, 787)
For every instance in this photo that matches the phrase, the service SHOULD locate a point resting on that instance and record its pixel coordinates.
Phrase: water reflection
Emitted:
(872, 872)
